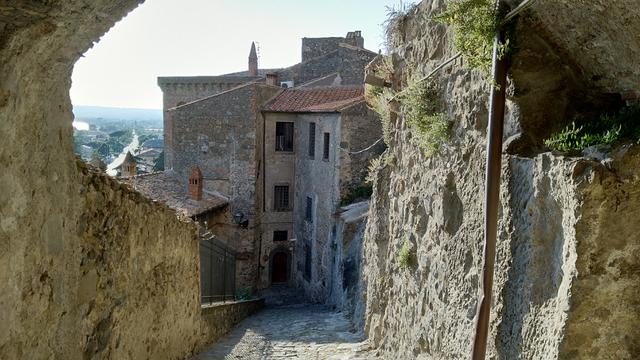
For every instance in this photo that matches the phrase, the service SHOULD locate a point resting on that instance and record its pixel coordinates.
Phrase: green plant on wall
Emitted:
(405, 256)
(607, 129)
(245, 293)
(378, 99)
(420, 105)
(474, 25)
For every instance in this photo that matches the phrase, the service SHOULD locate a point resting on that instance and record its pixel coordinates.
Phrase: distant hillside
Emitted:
(96, 114)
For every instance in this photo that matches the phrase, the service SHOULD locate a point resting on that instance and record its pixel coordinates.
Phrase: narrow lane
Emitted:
(293, 332)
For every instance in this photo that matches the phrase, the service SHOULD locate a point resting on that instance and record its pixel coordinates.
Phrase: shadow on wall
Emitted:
(537, 249)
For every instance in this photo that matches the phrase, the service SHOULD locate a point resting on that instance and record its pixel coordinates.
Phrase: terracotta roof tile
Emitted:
(328, 99)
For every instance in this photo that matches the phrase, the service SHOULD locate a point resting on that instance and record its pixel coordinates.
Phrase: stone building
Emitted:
(248, 133)
(308, 169)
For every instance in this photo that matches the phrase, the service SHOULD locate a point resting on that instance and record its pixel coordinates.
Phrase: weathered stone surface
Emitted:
(219, 319)
(88, 268)
(292, 332)
(563, 284)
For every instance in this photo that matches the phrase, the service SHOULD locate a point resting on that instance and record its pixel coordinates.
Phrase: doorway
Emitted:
(279, 267)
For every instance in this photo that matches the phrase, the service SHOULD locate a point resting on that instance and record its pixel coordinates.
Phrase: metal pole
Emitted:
(492, 191)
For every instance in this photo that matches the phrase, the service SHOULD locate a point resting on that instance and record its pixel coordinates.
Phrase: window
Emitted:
(284, 136)
(312, 140)
(325, 152)
(281, 198)
(280, 235)
(309, 212)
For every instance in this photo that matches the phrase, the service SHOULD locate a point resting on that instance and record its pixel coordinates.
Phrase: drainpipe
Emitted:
(492, 191)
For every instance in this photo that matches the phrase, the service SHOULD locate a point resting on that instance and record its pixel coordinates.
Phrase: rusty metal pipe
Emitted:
(492, 192)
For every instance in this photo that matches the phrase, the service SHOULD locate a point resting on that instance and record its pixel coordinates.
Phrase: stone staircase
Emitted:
(282, 295)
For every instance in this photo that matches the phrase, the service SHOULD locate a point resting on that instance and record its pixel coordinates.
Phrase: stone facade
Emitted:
(316, 184)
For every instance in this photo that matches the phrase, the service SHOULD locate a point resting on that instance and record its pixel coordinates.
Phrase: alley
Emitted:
(292, 332)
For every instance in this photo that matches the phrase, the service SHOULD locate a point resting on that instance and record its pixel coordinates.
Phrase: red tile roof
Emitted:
(327, 99)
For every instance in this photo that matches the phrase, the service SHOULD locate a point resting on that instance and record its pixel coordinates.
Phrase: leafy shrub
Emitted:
(374, 166)
(378, 99)
(474, 24)
(608, 129)
(420, 106)
(377, 164)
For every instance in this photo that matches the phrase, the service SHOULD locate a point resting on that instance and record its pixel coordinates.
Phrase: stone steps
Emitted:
(282, 295)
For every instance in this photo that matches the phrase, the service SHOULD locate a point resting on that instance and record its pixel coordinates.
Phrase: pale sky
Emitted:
(210, 37)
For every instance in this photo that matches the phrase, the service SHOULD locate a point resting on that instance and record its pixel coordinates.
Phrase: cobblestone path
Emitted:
(293, 332)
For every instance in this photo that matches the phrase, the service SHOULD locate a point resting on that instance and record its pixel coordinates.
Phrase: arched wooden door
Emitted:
(279, 268)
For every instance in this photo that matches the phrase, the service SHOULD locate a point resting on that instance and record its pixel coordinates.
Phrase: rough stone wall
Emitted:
(218, 319)
(346, 292)
(604, 306)
(347, 60)
(317, 47)
(181, 90)
(361, 128)
(566, 251)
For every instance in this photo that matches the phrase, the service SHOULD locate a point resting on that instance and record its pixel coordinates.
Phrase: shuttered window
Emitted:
(281, 198)
(284, 136)
(312, 140)
(325, 152)
(309, 212)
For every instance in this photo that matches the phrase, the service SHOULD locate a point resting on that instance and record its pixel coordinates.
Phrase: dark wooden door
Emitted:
(279, 271)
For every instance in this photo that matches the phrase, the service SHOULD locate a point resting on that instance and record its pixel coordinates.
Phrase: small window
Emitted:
(309, 211)
(280, 235)
(312, 140)
(281, 198)
(325, 152)
(284, 136)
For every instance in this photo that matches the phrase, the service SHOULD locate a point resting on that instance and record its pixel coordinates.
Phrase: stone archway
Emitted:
(56, 300)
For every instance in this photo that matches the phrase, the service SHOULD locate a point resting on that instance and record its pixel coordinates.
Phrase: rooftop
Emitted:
(166, 187)
(321, 99)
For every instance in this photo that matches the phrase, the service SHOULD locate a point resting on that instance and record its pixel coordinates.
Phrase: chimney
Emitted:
(272, 79)
(129, 167)
(195, 184)
(253, 60)
(355, 38)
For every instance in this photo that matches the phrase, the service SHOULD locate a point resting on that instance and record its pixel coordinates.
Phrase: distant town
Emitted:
(104, 134)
